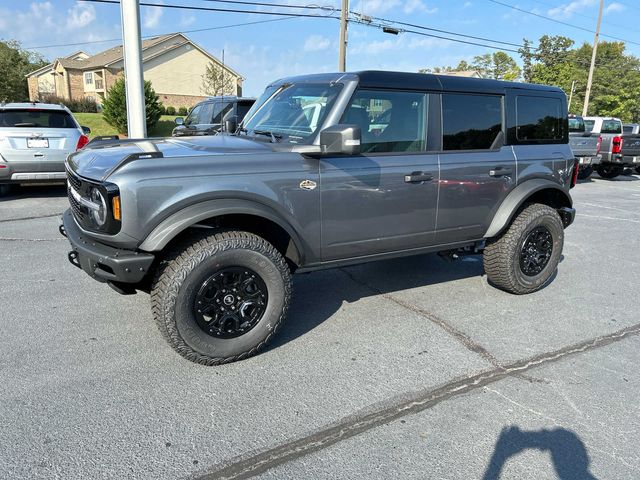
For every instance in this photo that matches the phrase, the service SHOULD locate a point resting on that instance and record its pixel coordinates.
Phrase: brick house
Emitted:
(172, 63)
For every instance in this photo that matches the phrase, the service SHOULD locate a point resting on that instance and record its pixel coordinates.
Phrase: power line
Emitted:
(284, 5)
(153, 36)
(585, 16)
(560, 21)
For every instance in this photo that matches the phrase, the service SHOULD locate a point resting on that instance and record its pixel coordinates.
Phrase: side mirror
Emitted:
(179, 121)
(86, 130)
(231, 125)
(340, 140)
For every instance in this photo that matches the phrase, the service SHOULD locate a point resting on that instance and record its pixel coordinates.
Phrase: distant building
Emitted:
(172, 63)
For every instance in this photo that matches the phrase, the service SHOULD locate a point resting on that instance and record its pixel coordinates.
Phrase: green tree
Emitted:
(498, 65)
(15, 63)
(114, 108)
(216, 81)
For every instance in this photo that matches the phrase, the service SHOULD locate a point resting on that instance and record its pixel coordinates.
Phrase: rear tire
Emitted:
(207, 323)
(585, 173)
(609, 171)
(524, 258)
(5, 189)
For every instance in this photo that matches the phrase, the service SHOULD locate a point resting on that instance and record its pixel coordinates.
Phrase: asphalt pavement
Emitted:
(408, 368)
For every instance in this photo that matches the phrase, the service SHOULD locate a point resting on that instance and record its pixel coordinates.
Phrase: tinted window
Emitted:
(627, 129)
(539, 119)
(611, 126)
(576, 125)
(588, 125)
(470, 122)
(220, 111)
(36, 118)
(192, 118)
(205, 114)
(389, 121)
(242, 109)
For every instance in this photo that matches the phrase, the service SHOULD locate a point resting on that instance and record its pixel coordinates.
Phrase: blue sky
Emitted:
(268, 51)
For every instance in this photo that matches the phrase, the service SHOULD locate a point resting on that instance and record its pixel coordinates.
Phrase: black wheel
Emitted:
(526, 255)
(585, 172)
(638, 170)
(5, 189)
(221, 297)
(609, 171)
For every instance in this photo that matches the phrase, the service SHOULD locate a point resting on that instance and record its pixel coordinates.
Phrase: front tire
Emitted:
(609, 171)
(524, 258)
(221, 297)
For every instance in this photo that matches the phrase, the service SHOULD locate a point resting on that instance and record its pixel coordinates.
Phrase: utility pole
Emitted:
(344, 16)
(573, 89)
(134, 80)
(593, 61)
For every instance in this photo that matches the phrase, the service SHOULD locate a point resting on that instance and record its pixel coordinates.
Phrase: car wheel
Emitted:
(524, 258)
(638, 170)
(5, 189)
(221, 297)
(609, 171)
(585, 173)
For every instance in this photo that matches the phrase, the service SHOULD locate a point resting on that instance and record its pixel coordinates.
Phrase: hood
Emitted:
(101, 160)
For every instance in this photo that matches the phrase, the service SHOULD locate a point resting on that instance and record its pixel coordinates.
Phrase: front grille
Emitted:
(79, 212)
(75, 181)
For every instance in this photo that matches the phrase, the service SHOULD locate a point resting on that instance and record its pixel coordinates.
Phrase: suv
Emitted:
(209, 116)
(35, 139)
(214, 227)
(610, 133)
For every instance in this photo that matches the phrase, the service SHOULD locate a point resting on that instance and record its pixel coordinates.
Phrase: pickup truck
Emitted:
(585, 146)
(631, 151)
(325, 171)
(610, 132)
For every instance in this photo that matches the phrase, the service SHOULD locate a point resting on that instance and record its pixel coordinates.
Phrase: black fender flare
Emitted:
(179, 221)
(516, 198)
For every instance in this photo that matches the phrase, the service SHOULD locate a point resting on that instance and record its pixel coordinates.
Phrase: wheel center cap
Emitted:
(228, 299)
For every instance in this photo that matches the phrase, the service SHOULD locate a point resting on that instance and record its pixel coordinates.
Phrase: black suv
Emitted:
(326, 170)
(209, 116)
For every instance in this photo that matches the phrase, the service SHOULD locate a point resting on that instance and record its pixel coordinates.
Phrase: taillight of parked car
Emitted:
(598, 145)
(616, 145)
(574, 174)
(82, 141)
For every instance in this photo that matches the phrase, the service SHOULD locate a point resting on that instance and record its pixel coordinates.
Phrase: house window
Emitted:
(88, 78)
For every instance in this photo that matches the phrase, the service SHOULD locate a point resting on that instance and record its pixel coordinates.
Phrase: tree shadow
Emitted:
(568, 453)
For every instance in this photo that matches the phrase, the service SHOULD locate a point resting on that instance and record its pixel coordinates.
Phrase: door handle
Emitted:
(418, 177)
(500, 172)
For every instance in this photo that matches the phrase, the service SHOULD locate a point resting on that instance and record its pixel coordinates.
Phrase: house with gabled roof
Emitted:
(172, 63)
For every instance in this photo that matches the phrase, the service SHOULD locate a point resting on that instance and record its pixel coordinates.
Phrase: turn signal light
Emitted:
(82, 141)
(115, 203)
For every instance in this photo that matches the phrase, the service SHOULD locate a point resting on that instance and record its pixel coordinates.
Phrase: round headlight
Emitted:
(98, 214)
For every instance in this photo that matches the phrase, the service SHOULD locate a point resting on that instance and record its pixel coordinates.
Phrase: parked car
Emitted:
(610, 131)
(209, 116)
(214, 227)
(35, 139)
(631, 151)
(585, 146)
(631, 128)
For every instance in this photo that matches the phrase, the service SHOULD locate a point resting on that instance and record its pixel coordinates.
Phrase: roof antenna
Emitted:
(222, 102)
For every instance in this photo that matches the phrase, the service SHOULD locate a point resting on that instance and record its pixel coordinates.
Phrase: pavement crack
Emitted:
(9, 239)
(4, 220)
(253, 464)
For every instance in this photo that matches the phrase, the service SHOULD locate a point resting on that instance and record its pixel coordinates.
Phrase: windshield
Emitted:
(576, 125)
(588, 124)
(293, 112)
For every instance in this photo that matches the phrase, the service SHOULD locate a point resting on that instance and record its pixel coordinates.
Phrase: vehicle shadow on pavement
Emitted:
(35, 191)
(319, 295)
(568, 452)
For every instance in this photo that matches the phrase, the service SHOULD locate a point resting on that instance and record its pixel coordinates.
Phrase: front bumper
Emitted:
(567, 215)
(103, 262)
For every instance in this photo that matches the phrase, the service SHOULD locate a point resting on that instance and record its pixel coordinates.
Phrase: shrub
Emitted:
(114, 108)
(163, 110)
(171, 110)
(182, 111)
(82, 105)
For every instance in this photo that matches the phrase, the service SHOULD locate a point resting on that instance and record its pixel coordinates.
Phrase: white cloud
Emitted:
(187, 20)
(373, 7)
(568, 9)
(467, 4)
(418, 6)
(316, 43)
(80, 15)
(613, 7)
(151, 16)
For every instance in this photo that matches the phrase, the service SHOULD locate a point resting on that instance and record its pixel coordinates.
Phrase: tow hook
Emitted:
(73, 258)
(62, 230)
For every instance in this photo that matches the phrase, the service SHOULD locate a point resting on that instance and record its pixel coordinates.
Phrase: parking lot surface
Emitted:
(410, 368)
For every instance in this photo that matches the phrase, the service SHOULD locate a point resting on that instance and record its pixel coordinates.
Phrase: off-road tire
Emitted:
(502, 254)
(609, 171)
(188, 264)
(585, 173)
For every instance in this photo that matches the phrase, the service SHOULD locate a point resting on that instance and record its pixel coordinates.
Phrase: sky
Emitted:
(267, 51)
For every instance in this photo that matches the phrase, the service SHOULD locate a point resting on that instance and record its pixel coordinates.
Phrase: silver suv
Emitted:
(35, 139)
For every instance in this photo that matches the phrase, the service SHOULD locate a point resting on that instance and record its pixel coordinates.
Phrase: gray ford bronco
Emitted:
(326, 170)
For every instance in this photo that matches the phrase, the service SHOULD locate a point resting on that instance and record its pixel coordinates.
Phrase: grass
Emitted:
(99, 127)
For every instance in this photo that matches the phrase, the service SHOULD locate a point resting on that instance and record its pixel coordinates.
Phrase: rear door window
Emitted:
(470, 122)
(611, 126)
(576, 125)
(36, 118)
(539, 120)
(220, 111)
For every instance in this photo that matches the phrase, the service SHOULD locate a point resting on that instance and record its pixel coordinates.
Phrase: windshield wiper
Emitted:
(275, 137)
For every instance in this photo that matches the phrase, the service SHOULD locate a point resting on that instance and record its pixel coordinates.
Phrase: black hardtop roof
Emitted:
(420, 81)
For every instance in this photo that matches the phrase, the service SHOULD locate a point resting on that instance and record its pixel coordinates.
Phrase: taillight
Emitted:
(616, 145)
(574, 176)
(82, 141)
(598, 145)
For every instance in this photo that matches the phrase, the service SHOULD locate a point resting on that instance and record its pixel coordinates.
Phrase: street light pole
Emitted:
(593, 61)
(134, 80)
(342, 57)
